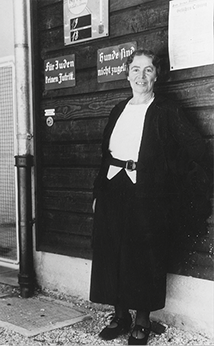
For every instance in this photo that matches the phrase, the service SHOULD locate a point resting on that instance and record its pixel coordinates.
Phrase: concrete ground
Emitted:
(50, 318)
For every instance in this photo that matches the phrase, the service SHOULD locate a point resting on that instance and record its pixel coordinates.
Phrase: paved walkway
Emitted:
(52, 319)
(34, 315)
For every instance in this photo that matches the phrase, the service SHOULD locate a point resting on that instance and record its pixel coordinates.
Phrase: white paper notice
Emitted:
(190, 33)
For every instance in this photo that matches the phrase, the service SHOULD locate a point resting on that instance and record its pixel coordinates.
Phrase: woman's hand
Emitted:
(94, 205)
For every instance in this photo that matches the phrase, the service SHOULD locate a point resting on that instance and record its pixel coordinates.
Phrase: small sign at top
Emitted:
(111, 61)
(85, 20)
(59, 72)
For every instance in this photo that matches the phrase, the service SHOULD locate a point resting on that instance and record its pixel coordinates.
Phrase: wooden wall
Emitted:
(68, 153)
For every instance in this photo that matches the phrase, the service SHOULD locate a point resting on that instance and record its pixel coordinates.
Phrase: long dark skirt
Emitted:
(129, 248)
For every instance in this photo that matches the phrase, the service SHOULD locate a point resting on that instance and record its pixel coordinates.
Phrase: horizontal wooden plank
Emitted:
(51, 16)
(203, 119)
(55, 154)
(82, 107)
(44, 3)
(65, 244)
(64, 222)
(74, 201)
(76, 178)
(51, 39)
(119, 5)
(195, 93)
(81, 130)
(191, 73)
(139, 19)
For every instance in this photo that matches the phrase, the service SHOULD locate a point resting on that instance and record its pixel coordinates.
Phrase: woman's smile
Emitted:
(141, 82)
(142, 75)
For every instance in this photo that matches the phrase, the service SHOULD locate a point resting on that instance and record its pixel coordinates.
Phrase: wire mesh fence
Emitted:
(8, 238)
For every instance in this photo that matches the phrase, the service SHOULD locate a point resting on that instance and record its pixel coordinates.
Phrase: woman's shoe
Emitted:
(139, 341)
(123, 325)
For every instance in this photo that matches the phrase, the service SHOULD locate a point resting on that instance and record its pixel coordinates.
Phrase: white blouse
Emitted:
(126, 137)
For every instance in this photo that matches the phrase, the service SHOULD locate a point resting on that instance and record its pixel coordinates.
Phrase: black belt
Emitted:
(130, 165)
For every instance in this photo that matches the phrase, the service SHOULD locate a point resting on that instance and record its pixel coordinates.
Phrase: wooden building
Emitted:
(67, 154)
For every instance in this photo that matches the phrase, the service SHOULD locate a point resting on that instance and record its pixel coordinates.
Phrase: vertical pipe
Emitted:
(23, 158)
(26, 271)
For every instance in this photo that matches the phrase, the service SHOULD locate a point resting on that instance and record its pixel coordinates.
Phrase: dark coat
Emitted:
(169, 144)
(168, 148)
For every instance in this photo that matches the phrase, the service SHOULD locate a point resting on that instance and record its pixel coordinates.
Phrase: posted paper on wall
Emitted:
(191, 41)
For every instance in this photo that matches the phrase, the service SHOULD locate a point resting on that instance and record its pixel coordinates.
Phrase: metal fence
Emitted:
(8, 234)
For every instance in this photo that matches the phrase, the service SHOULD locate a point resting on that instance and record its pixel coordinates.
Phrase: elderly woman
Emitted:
(132, 198)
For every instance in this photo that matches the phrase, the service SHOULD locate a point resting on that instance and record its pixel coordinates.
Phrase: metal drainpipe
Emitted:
(23, 157)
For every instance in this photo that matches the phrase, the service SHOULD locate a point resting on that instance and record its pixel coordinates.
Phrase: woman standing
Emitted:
(132, 195)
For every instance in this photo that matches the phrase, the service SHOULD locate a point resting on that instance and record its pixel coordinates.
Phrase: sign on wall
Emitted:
(190, 33)
(111, 62)
(59, 72)
(85, 20)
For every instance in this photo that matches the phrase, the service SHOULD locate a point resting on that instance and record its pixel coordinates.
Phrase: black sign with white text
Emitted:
(59, 72)
(111, 62)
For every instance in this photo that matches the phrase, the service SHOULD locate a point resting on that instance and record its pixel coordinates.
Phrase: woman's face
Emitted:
(142, 74)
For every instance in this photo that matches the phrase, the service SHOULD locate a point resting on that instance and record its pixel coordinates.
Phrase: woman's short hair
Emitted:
(146, 52)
